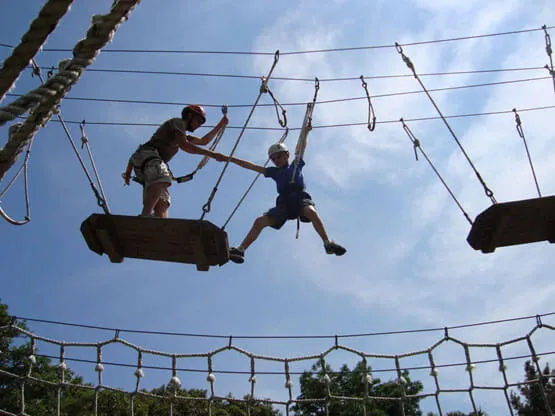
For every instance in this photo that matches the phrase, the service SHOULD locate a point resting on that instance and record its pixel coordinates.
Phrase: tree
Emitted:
(316, 384)
(537, 393)
(40, 399)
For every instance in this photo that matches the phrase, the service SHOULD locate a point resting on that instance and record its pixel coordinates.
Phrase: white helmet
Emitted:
(277, 148)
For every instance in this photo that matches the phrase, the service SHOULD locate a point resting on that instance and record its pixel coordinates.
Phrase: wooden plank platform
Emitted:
(177, 240)
(511, 223)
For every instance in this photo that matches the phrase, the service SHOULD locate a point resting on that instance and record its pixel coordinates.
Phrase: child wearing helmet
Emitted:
(293, 202)
(150, 160)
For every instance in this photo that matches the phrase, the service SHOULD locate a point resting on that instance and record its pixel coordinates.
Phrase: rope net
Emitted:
(452, 374)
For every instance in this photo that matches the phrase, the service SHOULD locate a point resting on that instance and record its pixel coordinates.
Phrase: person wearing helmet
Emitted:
(293, 202)
(150, 160)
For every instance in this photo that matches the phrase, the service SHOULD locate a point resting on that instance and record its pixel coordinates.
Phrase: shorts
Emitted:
(289, 207)
(150, 168)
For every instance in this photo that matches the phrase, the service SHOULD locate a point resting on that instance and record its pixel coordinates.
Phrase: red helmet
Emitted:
(196, 110)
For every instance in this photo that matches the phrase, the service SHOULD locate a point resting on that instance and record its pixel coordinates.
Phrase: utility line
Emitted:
(314, 51)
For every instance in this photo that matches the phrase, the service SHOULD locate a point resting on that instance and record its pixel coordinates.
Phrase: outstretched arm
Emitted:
(191, 148)
(208, 137)
(244, 164)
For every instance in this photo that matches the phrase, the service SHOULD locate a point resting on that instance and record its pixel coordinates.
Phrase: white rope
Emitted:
(43, 101)
(47, 20)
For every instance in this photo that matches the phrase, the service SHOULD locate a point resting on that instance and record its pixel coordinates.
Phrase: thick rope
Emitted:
(44, 100)
(47, 20)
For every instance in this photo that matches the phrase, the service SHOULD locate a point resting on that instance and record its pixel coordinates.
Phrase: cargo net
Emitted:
(449, 376)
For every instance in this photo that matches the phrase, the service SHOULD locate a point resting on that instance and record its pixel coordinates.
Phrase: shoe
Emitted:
(237, 255)
(333, 248)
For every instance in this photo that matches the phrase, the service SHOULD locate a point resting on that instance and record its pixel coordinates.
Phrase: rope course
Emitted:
(478, 358)
(43, 101)
(47, 20)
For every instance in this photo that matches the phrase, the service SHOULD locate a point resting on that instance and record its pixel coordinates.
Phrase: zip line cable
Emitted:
(257, 77)
(314, 51)
(430, 118)
(338, 100)
(537, 317)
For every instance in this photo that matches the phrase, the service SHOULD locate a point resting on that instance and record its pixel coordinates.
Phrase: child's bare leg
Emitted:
(259, 224)
(153, 194)
(311, 213)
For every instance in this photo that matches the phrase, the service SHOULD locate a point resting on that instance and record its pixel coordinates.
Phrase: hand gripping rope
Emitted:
(204, 161)
(263, 89)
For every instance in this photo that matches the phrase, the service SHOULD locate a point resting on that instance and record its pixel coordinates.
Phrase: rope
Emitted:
(418, 147)
(410, 65)
(396, 365)
(205, 159)
(371, 112)
(335, 79)
(47, 20)
(263, 89)
(100, 197)
(307, 52)
(549, 52)
(521, 134)
(337, 100)
(45, 99)
(23, 168)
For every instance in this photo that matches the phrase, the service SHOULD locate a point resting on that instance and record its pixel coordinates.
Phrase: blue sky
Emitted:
(408, 265)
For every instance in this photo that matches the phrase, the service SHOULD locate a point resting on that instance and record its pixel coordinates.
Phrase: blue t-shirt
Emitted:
(282, 176)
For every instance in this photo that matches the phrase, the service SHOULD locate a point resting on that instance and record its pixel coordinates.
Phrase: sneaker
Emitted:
(333, 248)
(237, 255)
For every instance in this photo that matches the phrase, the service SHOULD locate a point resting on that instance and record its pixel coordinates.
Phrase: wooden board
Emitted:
(177, 240)
(511, 223)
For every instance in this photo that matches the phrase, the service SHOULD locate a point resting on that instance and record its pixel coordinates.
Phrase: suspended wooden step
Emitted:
(185, 241)
(511, 223)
